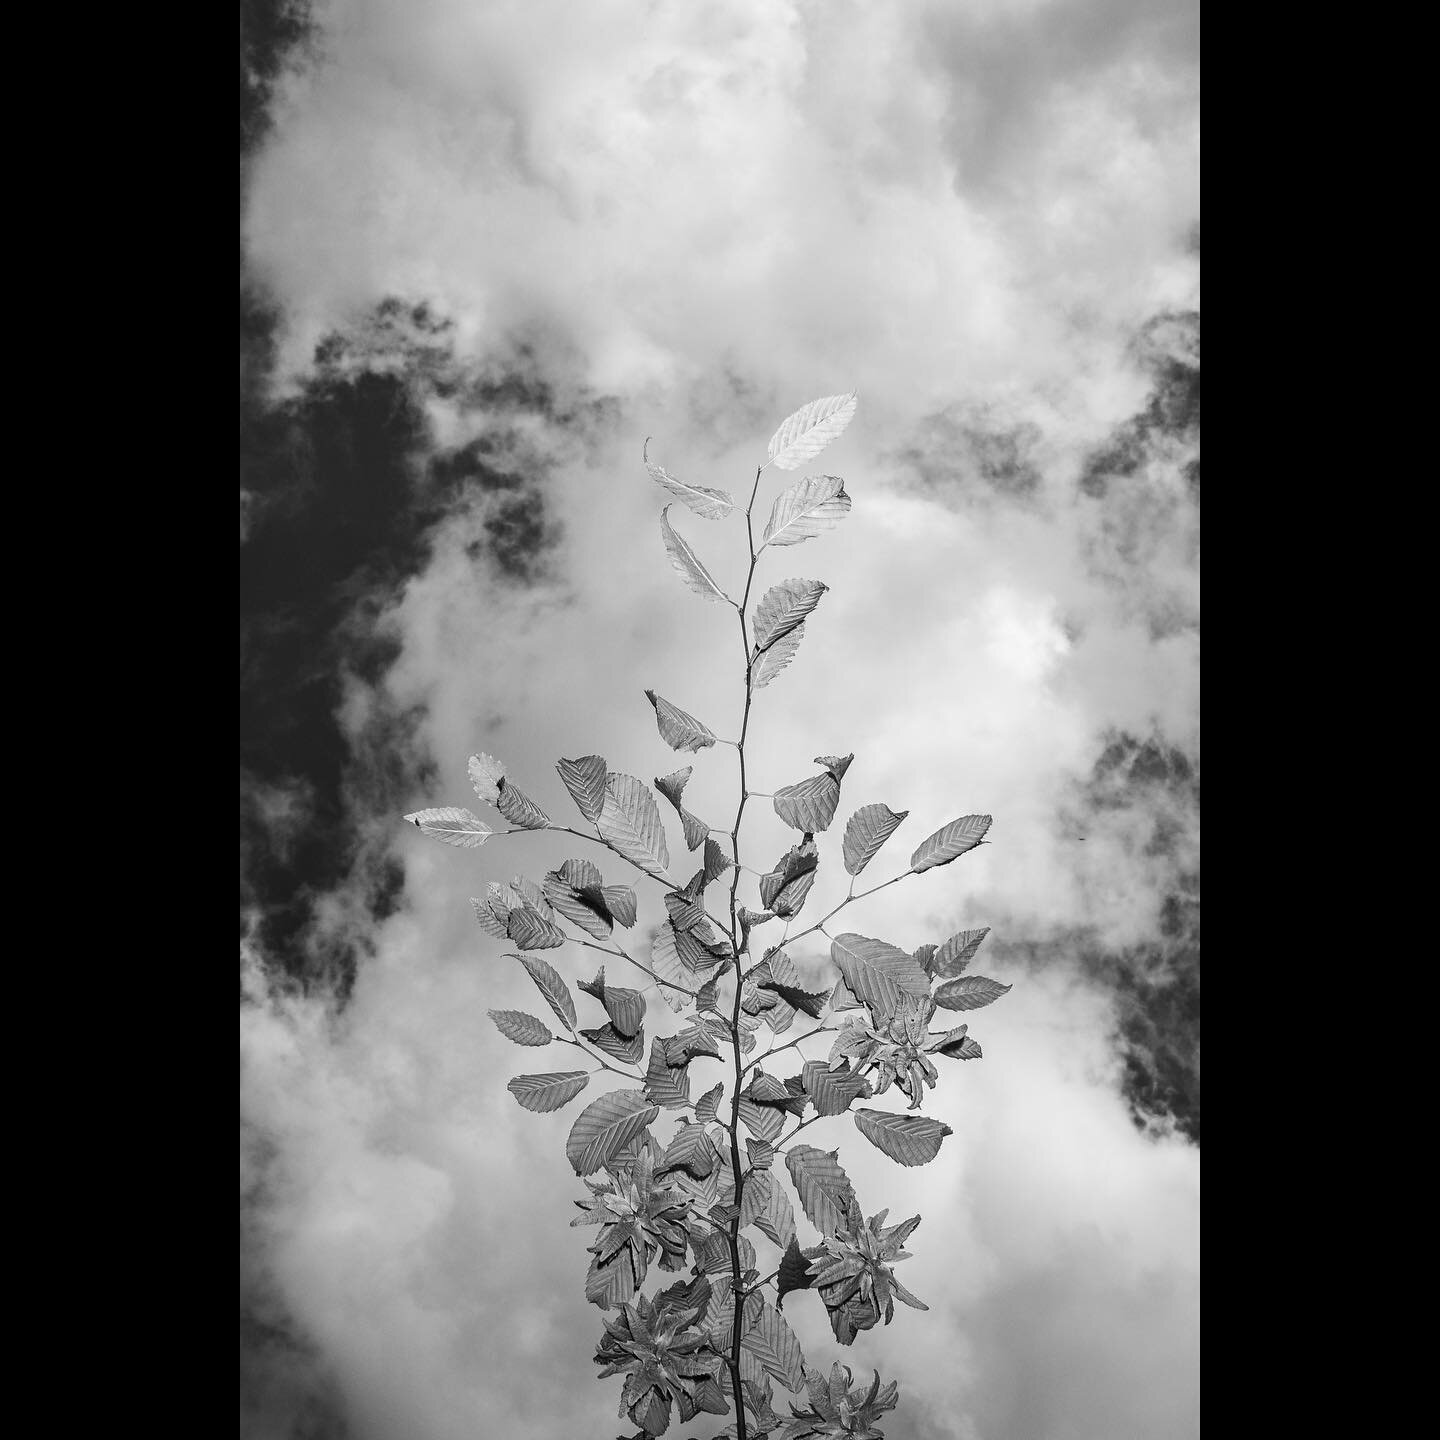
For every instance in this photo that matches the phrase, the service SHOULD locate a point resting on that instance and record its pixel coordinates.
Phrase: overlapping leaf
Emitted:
(769, 1338)
(629, 1048)
(544, 1093)
(672, 787)
(486, 773)
(530, 930)
(707, 1105)
(794, 1273)
(453, 824)
(585, 780)
(956, 953)
(690, 1149)
(782, 608)
(709, 504)
(784, 889)
(605, 1126)
(523, 1029)
(626, 1009)
(805, 509)
(950, 841)
(490, 922)
(810, 804)
(803, 435)
(620, 902)
(667, 1085)
(763, 1121)
(583, 908)
(866, 831)
(823, 1187)
(763, 1203)
(760, 1152)
(833, 1090)
(629, 821)
(552, 986)
(781, 652)
(877, 972)
(679, 729)
(519, 809)
(969, 992)
(908, 1139)
(686, 563)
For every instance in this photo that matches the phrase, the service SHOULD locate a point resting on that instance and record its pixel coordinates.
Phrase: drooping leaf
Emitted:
(877, 972)
(629, 821)
(767, 1089)
(629, 1048)
(626, 1009)
(772, 661)
(519, 809)
(716, 861)
(585, 780)
(486, 772)
(672, 786)
(761, 1153)
(950, 841)
(908, 1139)
(708, 1103)
(666, 1084)
(782, 608)
(794, 1273)
(925, 959)
(532, 931)
(866, 831)
(452, 824)
(969, 992)
(803, 435)
(544, 1093)
(552, 986)
(823, 1187)
(679, 730)
(956, 953)
(833, 1090)
(967, 1049)
(708, 504)
(532, 895)
(605, 1126)
(769, 1338)
(953, 1043)
(805, 509)
(837, 765)
(784, 889)
(687, 563)
(523, 1029)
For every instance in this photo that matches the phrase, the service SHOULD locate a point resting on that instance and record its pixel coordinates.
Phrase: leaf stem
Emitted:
(789, 1044)
(616, 950)
(594, 1055)
(820, 924)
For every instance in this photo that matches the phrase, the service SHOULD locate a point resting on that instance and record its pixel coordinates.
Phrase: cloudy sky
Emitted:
(488, 249)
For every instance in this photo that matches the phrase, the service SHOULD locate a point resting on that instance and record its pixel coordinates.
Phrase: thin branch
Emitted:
(594, 1055)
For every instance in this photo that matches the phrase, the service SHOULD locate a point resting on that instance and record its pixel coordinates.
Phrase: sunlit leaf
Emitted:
(519, 809)
(544, 1093)
(629, 822)
(782, 608)
(877, 972)
(620, 902)
(523, 1029)
(823, 1187)
(691, 1150)
(761, 1153)
(763, 1121)
(666, 1084)
(769, 1338)
(629, 1048)
(866, 831)
(808, 805)
(552, 986)
(803, 435)
(781, 652)
(908, 1139)
(626, 1009)
(452, 824)
(585, 780)
(706, 1105)
(605, 1126)
(833, 1090)
(490, 922)
(950, 841)
(969, 992)
(611, 1282)
(709, 504)
(532, 931)
(583, 909)
(486, 772)
(956, 953)
(687, 563)
(805, 509)
(679, 730)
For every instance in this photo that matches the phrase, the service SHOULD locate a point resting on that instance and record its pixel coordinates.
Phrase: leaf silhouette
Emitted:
(544, 1093)
(630, 823)
(709, 504)
(969, 992)
(605, 1126)
(877, 972)
(794, 1273)
(907, 1139)
(866, 831)
(552, 986)
(486, 772)
(523, 1029)
(803, 435)
(783, 607)
(956, 953)
(823, 1187)
(687, 563)
(585, 780)
(679, 730)
(780, 653)
(805, 509)
(452, 824)
(950, 841)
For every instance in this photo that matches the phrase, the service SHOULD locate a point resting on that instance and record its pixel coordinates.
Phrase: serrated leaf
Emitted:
(769, 1338)
(953, 1043)
(678, 729)
(763, 1121)
(585, 780)
(580, 909)
(708, 504)
(949, 842)
(672, 786)
(678, 980)
(784, 889)
(687, 563)
(794, 1273)
(552, 986)
(782, 608)
(833, 1090)
(823, 1187)
(708, 1103)
(803, 435)
(666, 1084)
(691, 1150)
(805, 509)
(519, 809)
(716, 861)
(969, 992)
(626, 1009)
(605, 1126)
(781, 652)
(629, 1048)
(811, 1002)
(925, 959)
(695, 1039)
(611, 1282)
(486, 772)
(763, 1204)
(907, 1139)
(808, 805)
(523, 1029)
(877, 972)
(531, 931)
(956, 953)
(629, 821)
(761, 1153)
(866, 831)
(842, 997)
(544, 1093)
(620, 902)
(453, 825)
(489, 921)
